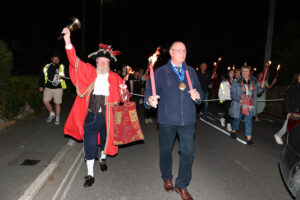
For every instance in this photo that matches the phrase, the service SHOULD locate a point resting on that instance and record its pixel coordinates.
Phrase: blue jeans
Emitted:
(204, 107)
(167, 134)
(247, 121)
(93, 124)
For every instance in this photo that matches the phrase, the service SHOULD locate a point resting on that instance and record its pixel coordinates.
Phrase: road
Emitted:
(223, 168)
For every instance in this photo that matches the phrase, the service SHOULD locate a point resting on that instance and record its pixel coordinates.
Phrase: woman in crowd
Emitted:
(244, 99)
(225, 99)
(261, 104)
(291, 104)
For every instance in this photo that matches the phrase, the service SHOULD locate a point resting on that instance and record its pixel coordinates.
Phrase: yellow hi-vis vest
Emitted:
(61, 73)
(223, 90)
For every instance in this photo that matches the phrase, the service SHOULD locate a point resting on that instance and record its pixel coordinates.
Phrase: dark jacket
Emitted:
(175, 107)
(205, 80)
(52, 71)
(292, 99)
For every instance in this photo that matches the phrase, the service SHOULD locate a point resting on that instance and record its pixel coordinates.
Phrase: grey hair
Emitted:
(246, 67)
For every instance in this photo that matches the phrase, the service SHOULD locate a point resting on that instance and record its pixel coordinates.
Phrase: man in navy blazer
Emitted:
(176, 115)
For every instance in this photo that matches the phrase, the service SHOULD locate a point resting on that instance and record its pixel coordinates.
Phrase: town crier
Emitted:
(98, 89)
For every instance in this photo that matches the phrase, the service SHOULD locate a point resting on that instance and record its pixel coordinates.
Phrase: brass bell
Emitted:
(73, 25)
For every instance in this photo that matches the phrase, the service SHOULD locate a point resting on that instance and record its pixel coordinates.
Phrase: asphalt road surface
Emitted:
(39, 162)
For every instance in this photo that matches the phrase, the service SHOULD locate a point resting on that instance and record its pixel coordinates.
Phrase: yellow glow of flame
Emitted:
(254, 69)
(153, 58)
(278, 67)
(219, 59)
(129, 71)
(269, 62)
(215, 63)
(228, 68)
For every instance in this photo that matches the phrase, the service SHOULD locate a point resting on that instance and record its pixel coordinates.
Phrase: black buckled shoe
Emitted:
(103, 165)
(89, 181)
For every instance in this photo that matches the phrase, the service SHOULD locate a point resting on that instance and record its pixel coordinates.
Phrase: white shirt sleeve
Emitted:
(69, 47)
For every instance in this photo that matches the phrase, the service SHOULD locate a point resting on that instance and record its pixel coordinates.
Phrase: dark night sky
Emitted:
(234, 30)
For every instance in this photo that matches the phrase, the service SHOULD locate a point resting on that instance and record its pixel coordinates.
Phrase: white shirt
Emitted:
(101, 85)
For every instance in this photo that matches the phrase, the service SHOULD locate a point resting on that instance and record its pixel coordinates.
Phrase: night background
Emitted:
(38, 161)
(233, 30)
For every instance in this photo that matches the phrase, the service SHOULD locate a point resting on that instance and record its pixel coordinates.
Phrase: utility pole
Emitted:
(83, 29)
(268, 47)
(101, 9)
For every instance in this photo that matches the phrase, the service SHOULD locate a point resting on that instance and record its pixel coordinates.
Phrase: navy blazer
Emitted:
(175, 107)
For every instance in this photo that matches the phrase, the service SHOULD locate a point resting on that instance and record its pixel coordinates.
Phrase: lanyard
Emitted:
(181, 77)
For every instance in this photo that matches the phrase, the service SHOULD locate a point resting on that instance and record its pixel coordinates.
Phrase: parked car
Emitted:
(289, 163)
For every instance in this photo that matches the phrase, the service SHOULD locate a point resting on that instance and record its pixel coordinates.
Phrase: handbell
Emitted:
(74, 25)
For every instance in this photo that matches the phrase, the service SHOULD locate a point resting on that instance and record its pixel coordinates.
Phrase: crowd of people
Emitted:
(240, 94)
(176, 104)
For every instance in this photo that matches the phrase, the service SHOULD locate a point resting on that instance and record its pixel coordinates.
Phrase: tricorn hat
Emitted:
(105, 51)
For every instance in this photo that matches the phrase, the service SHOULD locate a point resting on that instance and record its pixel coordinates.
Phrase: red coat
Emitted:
(86, 75)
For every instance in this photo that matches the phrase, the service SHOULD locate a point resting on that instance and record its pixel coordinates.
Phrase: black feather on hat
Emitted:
(105, 51)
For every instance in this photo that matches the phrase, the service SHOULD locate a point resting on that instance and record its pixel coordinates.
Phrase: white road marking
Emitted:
(242, 165)
(33, 189)
(269, 120)
(67, 176)
(71, 180)
(211, 118)
(238, 139)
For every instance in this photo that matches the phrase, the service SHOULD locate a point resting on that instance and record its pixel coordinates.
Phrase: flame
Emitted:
(233, 67)
(228, 68)
(269, 62)
(254, 68)
(215, 63)
(278, 67)
(129, 71)
(219, 59)
(153, 58)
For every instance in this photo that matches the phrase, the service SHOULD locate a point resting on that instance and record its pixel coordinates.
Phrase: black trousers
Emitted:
(93, 124)
(226, 106)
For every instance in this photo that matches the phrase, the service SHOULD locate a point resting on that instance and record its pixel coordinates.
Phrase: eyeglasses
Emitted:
(180, 50)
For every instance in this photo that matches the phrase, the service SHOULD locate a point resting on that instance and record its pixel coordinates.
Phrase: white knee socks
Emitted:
(103, 156)
(90, 167)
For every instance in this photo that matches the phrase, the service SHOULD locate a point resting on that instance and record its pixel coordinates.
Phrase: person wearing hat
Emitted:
(52, 85)
(98, 89)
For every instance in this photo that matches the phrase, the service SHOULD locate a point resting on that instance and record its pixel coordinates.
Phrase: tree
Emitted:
(6, 64)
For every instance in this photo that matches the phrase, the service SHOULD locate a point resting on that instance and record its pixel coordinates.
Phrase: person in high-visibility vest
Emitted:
(52, 85)
(225, 99)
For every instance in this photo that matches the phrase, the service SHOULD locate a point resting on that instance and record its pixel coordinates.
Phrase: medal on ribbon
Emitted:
(182, 85)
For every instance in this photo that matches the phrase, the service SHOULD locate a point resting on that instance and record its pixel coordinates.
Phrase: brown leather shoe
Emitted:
(168, 185)
(185, 195)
